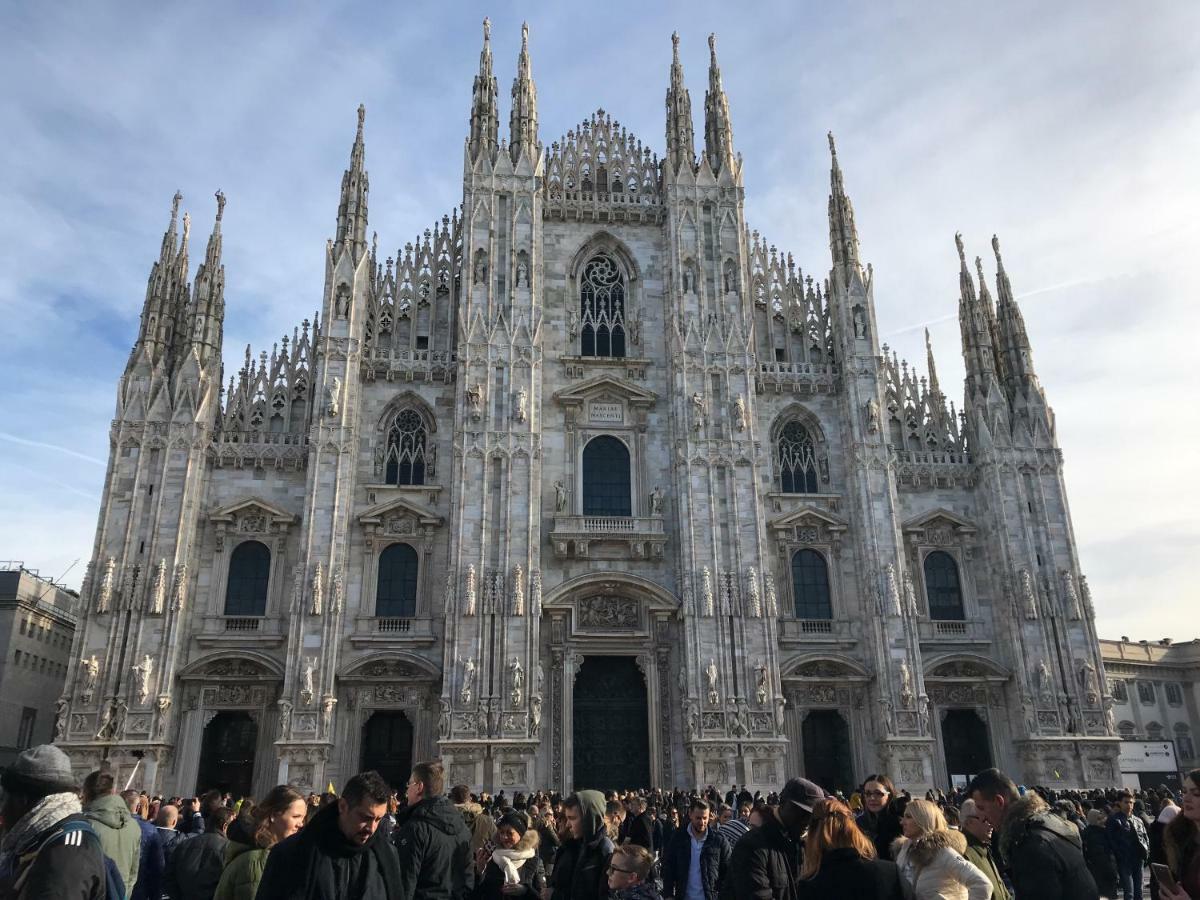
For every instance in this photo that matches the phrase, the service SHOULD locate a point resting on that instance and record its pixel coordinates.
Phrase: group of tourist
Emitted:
(989, 840)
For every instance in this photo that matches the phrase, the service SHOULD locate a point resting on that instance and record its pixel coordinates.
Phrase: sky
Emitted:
(1070, 129)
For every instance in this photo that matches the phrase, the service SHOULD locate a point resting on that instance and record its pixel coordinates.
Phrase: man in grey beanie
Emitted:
(48, 849)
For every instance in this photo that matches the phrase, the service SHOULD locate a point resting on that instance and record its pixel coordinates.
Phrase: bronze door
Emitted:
(227, 754)
(611, 734)
(826, 739)
(387, 747)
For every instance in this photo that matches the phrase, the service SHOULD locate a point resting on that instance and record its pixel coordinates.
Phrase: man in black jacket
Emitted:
(432, 840)
(340, 853)
(640, 830)
(1042, 852)
(579, 871)
(696, 862)
(194, 869)
(766, 861)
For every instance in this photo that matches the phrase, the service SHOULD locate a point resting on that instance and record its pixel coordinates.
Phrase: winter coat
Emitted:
(1097, 853)
(119, 834)
(531, 874)
(979, 855)
(548, 844)
(677, 862)
(435, 851)
(579, 871)
(845, 874)
(882, 828)
(194, 869)
(764, 864)
(478, 822)
(935, 867)
(1042, 853)
(1130, 843)
(644, 890)
(641, 831)
(171, 838)
(319, 863)
(151, 863)
(244, 865)
(51, 866)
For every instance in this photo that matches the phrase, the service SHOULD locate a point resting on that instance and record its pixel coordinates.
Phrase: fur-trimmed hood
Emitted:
(529, 841)
(922, 850)
(1029, 814)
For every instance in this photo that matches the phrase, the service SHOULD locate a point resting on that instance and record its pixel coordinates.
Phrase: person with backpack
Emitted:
(1130, 844)
(48, 849)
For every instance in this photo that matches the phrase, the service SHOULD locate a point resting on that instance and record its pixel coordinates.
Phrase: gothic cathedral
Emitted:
(588, 486)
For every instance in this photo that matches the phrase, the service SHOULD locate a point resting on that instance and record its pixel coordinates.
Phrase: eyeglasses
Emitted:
(874, 793)
(613, 868)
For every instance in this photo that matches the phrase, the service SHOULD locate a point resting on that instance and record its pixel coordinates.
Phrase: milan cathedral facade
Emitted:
(587, 486)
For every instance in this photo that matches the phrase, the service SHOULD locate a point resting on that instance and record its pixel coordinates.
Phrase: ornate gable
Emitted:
(399, 517)
(809, 525)
(251, 516)
(938, 526)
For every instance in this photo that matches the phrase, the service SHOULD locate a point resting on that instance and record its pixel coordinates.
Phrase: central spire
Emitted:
(681, 145)
(208, 305)
(352, 208)
(485, 118)
(843, 234)
(718, 128)
(522, 121)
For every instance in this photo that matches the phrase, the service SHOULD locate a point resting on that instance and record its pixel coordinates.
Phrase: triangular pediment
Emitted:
(939, 516)
(398, 508)
(606, 387)
(252, 506)
(810, 515)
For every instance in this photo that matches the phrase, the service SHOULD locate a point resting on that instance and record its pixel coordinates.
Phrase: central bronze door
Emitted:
(611, 734)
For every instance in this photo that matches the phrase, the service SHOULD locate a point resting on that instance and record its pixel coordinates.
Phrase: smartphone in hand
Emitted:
(1164, 876)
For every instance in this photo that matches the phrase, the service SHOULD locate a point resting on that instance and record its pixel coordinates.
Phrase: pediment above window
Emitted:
(938, 526)
(607, 387)
(252, 515)
(809, 524)
(399, 517)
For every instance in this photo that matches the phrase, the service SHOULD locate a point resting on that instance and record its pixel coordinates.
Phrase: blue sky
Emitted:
(1070, 129)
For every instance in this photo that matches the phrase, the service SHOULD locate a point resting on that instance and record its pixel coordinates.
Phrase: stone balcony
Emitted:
(784, 377)
(814, 631)
(227, 631)
(608, 537)
(370, 631)
(946, 631)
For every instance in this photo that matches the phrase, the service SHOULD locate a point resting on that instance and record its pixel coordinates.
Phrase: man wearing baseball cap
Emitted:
(766, 861)
(48, 849)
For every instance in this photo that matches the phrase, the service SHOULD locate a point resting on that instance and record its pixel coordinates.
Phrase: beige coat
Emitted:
(934, 865)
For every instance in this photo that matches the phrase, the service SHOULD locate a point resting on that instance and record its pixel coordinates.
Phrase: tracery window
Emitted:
(797, 460)
(405, 456)
(810, 583)
(602, 308)
(606, 481)
(943, 588)
(396, 589)
(249, 575)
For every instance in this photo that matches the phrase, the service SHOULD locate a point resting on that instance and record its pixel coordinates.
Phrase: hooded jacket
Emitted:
(434, 848)
(531, 873)
(49, 865)
(764, 864)
(478, 823)
(244, 865)
(1043, 854)
(119, 833)
(319, 863)
(579, 872)
(935, 867)
(980, 856)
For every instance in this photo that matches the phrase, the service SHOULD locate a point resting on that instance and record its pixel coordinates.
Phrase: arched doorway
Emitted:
(387, 741)
(611, 731)
(967, 744)
(227, 754)
(826, 740)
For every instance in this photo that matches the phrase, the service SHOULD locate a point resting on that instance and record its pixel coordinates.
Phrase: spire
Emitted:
(681, 145)
(158, 320)
(352, 208)
(522, 122)
(485, 118)
(978, 351)
(934, 386)
(208, 304)
(843, 235)
(718, 128)
(1013, 340)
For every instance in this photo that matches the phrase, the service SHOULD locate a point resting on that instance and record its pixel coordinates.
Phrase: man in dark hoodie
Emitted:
(340, 853)
(432, 840)
(766, 861)
(1042, 852)
(580, 869)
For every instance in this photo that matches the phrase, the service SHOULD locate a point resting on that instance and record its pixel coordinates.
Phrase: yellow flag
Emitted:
(1057, 776)
(330, 789)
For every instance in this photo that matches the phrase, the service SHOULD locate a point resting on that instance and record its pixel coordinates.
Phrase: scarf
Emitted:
(48, 811)
(507, 861)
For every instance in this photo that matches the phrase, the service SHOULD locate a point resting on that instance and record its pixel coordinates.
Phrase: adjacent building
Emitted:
(589, 485)
(37, 627)
(1155, 687)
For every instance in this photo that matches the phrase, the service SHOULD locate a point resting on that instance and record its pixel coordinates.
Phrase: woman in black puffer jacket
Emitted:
(1098, 854)
(514, 869)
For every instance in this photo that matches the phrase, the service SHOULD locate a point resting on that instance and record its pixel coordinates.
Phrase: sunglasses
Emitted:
(613, 868)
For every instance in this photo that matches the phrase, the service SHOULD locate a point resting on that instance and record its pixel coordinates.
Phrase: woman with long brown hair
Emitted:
(251, 837)
(840, 860)
(1181, 840)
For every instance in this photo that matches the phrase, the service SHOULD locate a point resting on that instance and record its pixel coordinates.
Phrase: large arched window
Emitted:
(249, 574)
(810, 583)
(602, 308)
(606, 478)
(405, 455)
(797, 460)
(396, 591)
(943, 588)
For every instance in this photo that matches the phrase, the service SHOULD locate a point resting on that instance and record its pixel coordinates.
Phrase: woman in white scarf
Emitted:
(513, 869)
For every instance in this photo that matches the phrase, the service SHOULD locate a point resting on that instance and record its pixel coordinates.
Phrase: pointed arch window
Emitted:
(249, 575)
(810, 583)
(602, 308)
(405, 456)
(797, 460)
(396, 589)
(943, 588)
(606, 481)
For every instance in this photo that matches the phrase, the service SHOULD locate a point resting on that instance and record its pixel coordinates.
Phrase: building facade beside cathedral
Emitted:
(588, 486)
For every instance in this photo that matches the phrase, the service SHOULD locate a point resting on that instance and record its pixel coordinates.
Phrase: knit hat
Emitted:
(40, 771)
(516, 821)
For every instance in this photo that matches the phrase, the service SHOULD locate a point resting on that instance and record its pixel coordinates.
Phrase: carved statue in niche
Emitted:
(699, 411)
(142, 673)
(772, 597)
(906, 685)
(468, 681)
(516, 682)
(635, 331)
(682, 681)
(1028, 594)
(90, 668)
(1071, 595)
(739, 413)
(306, 680)
(327, 705)
(710, 679)
(535, 592)
(860, 323)
(560, 496)
(443, 719)
(335, 599)
(158, 592)
(910, 594)
(318, 590)
(333, 390)
(1086, 593)
(180, 587)
(518, 603)
(688, 278)
(691, 717)
(481, 266)
(872, 415)
(475, 399)
(107, 582)
(535, 715)
(730, 277)
(1041, 681)
(760, 684)
(656, 501)
(709, 607)
(573, 325)
(893, 589)
(60, 718)
(521, 414)
(780, 714)
(1087, 681)
(285, 718)
(469, 596)
(753, 597)
(522, 270)
(738, 722)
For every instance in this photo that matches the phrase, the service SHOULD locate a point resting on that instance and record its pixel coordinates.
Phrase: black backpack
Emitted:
(76, 831)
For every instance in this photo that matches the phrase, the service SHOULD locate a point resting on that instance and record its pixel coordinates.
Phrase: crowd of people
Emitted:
(988, 840)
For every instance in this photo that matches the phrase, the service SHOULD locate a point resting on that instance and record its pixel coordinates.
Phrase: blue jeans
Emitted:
(1131, 880)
